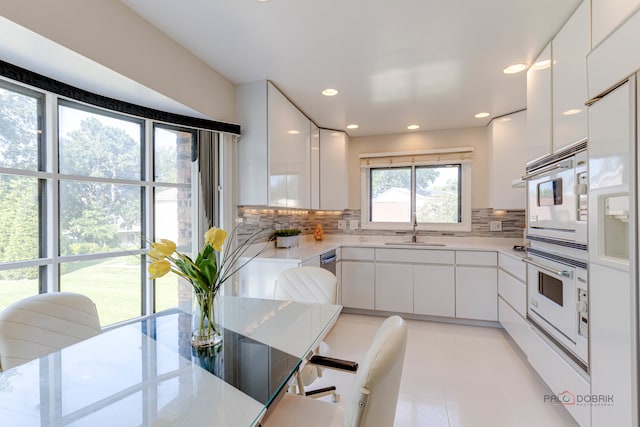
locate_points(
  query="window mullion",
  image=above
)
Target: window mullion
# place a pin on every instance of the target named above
(52, 220)
(148, 216)
(413, 193)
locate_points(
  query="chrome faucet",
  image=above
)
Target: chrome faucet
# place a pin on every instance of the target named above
(414, 235)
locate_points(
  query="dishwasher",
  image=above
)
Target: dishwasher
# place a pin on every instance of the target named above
(328, 261)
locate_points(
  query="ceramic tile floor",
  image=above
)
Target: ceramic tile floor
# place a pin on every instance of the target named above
(453, 376)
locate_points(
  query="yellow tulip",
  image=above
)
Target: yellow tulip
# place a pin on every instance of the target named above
(215, 237)
(159, 268)
(161, 249)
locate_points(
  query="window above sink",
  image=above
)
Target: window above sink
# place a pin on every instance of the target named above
(434, 185)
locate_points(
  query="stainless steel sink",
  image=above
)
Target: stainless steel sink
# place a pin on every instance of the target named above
(415, 244)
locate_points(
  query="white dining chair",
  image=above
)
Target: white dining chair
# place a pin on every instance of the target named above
(41, 324)
(373, 398)
(312, 285)
(307, 284)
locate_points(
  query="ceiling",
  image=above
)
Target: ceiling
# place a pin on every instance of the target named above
(432, 63)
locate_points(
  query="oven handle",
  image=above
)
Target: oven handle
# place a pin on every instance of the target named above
(564, 273)
(567, 164)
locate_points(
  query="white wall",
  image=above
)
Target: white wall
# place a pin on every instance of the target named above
(111, 34)
(468, 137)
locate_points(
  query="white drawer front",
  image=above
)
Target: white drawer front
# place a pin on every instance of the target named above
(421, 256)
(513, 291)
(515, 326)
(516, 267)
(476, 258)
(560, 377)
(358, 254)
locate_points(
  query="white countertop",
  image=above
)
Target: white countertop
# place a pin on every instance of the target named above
(310, 248)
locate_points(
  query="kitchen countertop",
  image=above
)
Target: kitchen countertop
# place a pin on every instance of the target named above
(310, 248)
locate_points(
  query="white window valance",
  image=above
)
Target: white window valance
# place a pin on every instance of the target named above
(408, 158)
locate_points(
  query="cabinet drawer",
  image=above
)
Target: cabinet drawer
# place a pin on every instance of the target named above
(427, 256)
(358, 254)
(513, 292)
(476, 258)
(513, 266)
(515, 326)
(559, 376)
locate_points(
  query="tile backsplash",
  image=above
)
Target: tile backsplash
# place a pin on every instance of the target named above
(256, 218)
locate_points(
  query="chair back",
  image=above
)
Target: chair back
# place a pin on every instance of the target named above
(373, 399)
(307, 284)
(41, 324)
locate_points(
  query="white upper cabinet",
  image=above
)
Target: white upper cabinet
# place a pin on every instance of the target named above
(607, 15)
(253, 151)
(539, 106)
(289, 153)
(333, 170)
(570, 48)
(507, 138)
(315, 167)
(274, 152)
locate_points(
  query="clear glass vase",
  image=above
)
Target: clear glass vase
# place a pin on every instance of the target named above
(206, 332)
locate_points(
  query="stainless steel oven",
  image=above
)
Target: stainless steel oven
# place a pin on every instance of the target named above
(557, 196)
(559, 301)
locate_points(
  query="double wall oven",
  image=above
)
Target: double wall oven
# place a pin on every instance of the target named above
(557, 273)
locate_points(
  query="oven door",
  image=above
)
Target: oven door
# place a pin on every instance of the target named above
(552, 298)
(552, 201)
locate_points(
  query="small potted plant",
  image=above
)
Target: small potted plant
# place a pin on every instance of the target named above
(287, 238)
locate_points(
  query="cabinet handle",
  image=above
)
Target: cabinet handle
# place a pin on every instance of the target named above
(563, 273)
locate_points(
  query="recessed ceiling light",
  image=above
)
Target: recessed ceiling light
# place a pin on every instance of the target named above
(541, 65)
(262, 1)
(413, 127)
(571, 112)
(515, 68)
(352, 126)
(503, 120)
(330, 92)
(293, 132)
(481, 115)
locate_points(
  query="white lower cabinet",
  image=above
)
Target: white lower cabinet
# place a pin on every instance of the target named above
(434, 290)
(358, 279)
(563, 379)
(394, 287)
(476, 293)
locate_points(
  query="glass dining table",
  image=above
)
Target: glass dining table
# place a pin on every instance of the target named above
(146, 373)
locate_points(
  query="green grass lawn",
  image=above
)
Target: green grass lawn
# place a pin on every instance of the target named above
(113, 284)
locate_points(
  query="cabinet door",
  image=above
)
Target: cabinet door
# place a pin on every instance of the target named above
(570, 48)
(299, 161)
(539, 106)
(358, 284)
(606, 15)
(434, 290)
(279, 123)
(253, 155)
(477, 293)
(394, 287)
(315, 167)
(507, 143)
(333, 170)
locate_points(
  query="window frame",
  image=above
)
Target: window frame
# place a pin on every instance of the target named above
(464, 198)
(49, 178)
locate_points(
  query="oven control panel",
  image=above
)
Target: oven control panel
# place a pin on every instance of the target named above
(583, 313)
(582, 192)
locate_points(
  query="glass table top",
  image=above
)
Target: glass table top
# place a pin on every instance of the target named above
(147, 374)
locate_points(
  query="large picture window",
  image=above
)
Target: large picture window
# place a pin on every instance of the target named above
(435, 193)
(80, 204)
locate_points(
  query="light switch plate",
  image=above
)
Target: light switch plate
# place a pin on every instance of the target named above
(495, 225)
(342, 224)
(353, 224)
